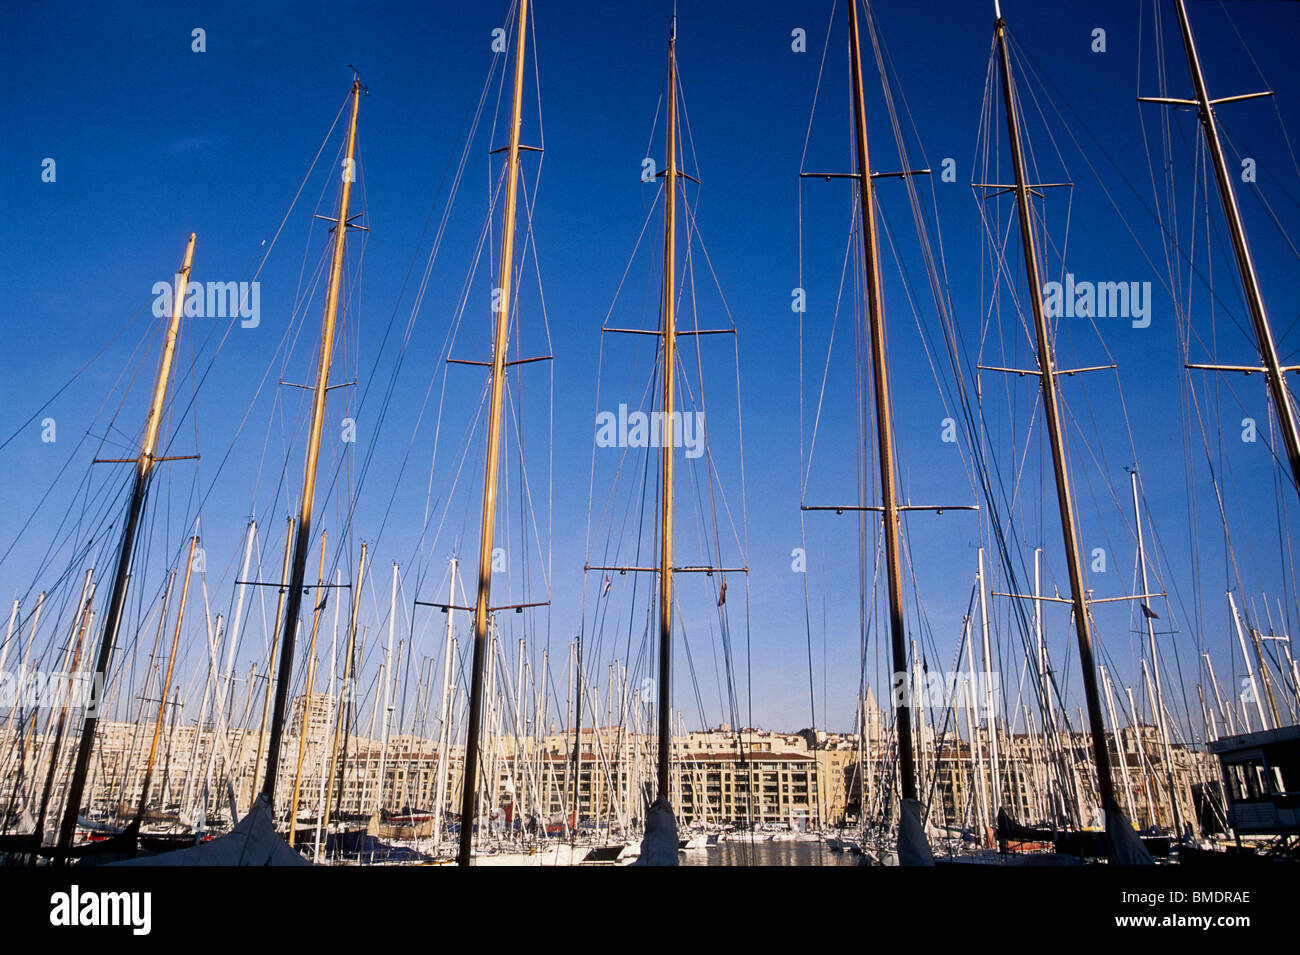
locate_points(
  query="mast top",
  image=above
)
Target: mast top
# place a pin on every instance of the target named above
(997, 10)
(356, 80)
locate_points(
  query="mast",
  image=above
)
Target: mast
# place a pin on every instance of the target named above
(448, 655)
(487, 529)
(144, 466)
(990, 710)
(666, 451)
(388, 684)
(1157, 704)
(1274, 372)
(1250, 670)
(275, 643)
(302, 539)
(1051, 410)
(1225, 714)
(4, 648)
(307, 695)
(81, 623)
(884, 418)
(166, 683)
(347, 697)
(577, 751)
(1119, 740)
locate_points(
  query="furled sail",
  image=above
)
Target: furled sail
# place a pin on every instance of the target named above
(253, 842)
(913, 848)
(659, 846)
(1123, 846)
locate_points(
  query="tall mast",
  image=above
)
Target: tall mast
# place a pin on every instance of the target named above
(347, 698)
(469, 783)
(73, 654)
(884, 417)
(444, 736)
(144, 466)
(990, 710)
(275, 644)
(1051, 410)
(1250, 670)
(577, 749)
(666, 451)
(1119, 740)
(1274, 373)
(1158, 704)
(308, 692)
(388, 687)
(302, 539)
(166, 682)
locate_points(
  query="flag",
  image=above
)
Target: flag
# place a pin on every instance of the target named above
(722, 592)
(605, 591)
(1149, 613)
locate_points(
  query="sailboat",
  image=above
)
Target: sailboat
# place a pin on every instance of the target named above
(144, 469)
(912, 846)
(1255, 765)
(1123, 846)
(254, 841)
(660, 844)
(1255, 739)
(667, 446)
(470, 808)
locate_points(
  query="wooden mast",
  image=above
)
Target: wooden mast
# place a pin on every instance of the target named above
(444, 733)
(666, 451)
(74, 654)
(275, 644)
(307, 695)
(347, 695)
(1052, 411)
(1274, 373)
(144, 466)
(884, 419)
(302, 540)
(166, 683)
(469, 783)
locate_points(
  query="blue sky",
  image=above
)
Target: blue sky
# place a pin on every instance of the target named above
(153, 141)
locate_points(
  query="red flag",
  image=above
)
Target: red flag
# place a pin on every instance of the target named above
(722, 592)
(605, 591)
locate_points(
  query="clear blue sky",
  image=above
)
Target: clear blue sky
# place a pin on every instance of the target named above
(153, 141)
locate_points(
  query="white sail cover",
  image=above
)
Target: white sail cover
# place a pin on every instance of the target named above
(913, 847)
(1123, 847)
(659, 846)
(253, 842)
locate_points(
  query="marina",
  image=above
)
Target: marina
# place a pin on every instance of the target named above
(838, 457)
